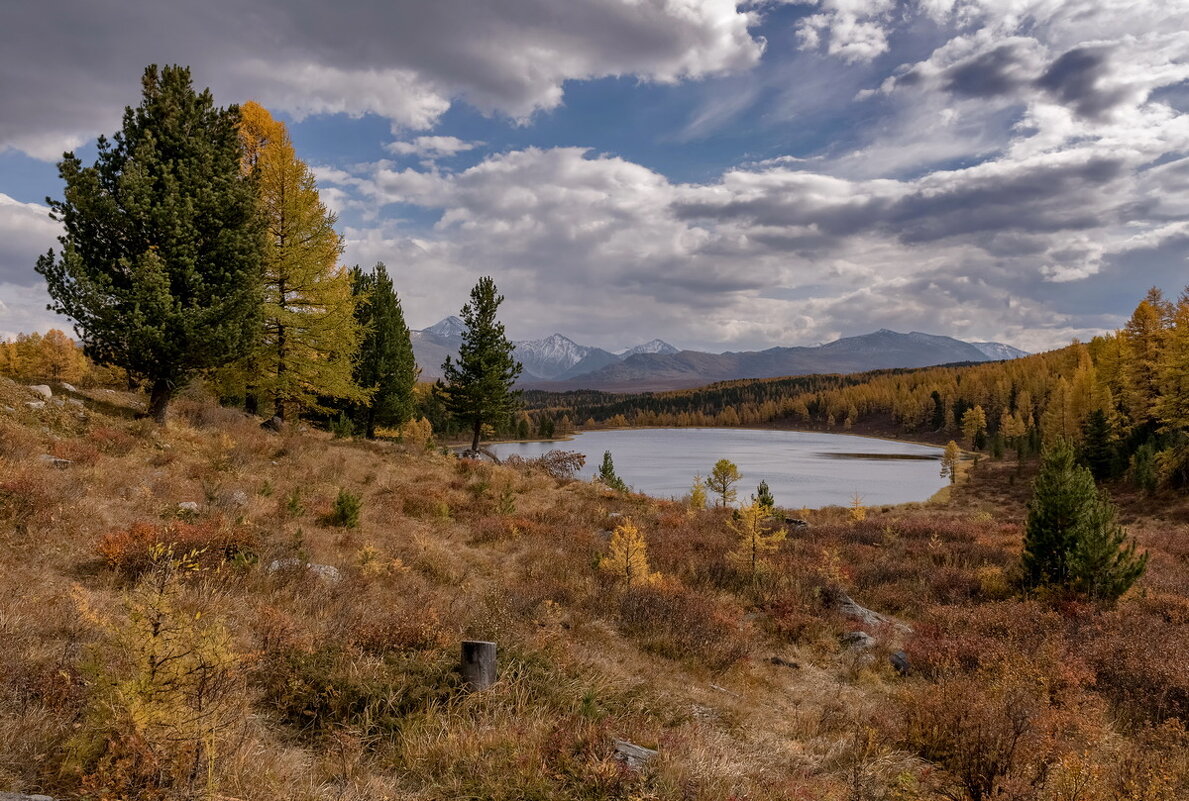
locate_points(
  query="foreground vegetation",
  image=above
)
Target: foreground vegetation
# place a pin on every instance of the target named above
(166, 639)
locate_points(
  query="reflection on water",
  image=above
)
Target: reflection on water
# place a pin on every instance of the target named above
(801, 468)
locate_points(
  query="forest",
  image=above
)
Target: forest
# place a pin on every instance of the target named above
(1120, 398)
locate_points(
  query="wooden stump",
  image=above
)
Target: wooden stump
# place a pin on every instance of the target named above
(478, 664)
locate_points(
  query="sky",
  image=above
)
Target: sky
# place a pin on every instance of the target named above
(722, 175)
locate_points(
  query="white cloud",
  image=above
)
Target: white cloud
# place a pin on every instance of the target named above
(406, 60)
(432, 147)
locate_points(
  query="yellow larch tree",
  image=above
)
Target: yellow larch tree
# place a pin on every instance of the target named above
(627, 555)
(310, 331)
(754, 540)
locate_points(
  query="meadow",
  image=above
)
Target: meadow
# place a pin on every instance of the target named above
(213, 610)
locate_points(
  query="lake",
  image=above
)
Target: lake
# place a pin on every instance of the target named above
(801, 468)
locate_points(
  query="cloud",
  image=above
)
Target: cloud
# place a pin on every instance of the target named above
(432, 146)
(406, 60)
(26, 232)
(775, 252)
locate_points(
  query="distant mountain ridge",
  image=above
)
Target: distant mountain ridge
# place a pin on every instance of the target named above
(558, 362)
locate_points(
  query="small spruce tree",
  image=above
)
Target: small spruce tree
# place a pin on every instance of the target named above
(608, 476)
(384, 363)
(1072, 543)
(764, 498)
(477, 389)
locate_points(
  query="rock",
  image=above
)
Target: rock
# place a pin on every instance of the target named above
(74, 401)
(188, 506)
(328, 573)
(42, 390)
(23, 797)
(846, 605)
(857, 640)
(634, 756)
(35, 404)
(235, 499)
(68, 387)
(899, 661)
(796, 522)
(273, 424)
(54, 461)
(781, 662)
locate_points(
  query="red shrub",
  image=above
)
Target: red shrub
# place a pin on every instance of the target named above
(131, 550)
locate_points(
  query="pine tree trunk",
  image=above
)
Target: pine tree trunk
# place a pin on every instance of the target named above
(159, 399)
(475, 440)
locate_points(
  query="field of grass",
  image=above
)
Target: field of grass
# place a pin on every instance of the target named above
(159, 651)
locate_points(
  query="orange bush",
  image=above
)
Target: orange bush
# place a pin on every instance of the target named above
(130, 550)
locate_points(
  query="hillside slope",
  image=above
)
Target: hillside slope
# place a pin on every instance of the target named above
(339, 680)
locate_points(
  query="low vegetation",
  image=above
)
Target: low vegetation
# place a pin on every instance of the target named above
(211, 609)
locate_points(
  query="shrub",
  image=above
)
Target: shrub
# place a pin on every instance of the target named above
(136, 549)
(558, 464)
(672, 621)
(345, 511)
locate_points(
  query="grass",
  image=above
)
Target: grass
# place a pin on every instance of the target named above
(349, 689)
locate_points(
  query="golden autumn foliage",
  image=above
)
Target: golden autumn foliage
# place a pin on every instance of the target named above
(753, 538)
(309, 333)
(627, 555)
(52, 356)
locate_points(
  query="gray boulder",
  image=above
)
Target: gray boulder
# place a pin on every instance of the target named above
(23, 797)
(42, 390)
(35, 405)
(327, 573)
(634, 756)
(857, 640)
(190, 507)
(68, 387)
(900, 662)
(54, 461)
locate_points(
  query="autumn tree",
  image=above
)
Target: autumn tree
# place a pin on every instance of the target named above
(1142, 345)
(974, 427)
(384, 364)
(697, 494)
(949, 461)
(161, 250)
(1072, 543)
(753, 539)
(627, 555)
(310, 332)
(722, 481)
(478, 387)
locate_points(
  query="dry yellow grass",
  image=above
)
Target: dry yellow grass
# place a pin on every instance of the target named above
(348, 687)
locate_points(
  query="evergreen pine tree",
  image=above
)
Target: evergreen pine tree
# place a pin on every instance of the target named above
(608, 476)
(764, 498)
(478, 388)
(1072, 542)
(161, 255)
(384, 363)
(1097, 451)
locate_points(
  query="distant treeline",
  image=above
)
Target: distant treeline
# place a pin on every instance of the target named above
(1121, 399)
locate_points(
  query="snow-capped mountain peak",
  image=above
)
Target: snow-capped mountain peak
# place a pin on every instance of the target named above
(550, 356)
(450, 328)
(997, 350)
(655, 346)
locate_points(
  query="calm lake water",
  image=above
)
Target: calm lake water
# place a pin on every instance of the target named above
(801, 468)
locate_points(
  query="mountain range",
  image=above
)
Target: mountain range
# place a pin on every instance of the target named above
(559, 363)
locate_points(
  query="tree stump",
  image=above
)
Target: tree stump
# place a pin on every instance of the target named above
(478, 664)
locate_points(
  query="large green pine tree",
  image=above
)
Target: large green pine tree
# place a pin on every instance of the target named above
(1072, 543)
(384, 362)
(477, 389)
(161, 255)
